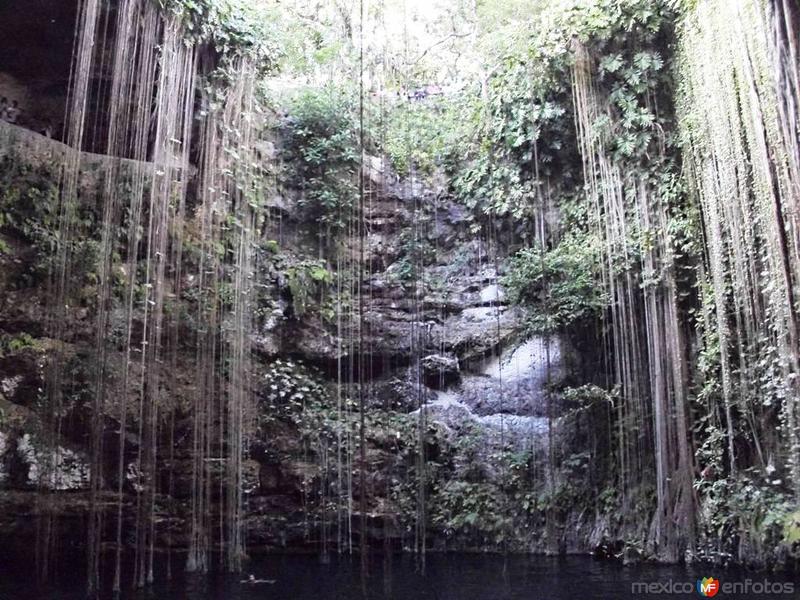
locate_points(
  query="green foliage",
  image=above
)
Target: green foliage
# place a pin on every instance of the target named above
(749, 511)
(631, 80)
(618, 20)
(423, 136)
(523, 144)
(303, 280)
(11, 344)
(234, 28)
(557, 286)
(321, 140)
(28, 208)
(586, 396)
(522, 134)
(288, 386)
(474, 511)
(791, 528)
(29, 204)
(416, 252)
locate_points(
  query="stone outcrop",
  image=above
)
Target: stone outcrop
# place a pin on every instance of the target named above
(440, 371)
(442, 322)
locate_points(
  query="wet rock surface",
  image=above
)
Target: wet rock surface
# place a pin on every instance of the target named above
(424, 341)
(440, 371)
(503, 399)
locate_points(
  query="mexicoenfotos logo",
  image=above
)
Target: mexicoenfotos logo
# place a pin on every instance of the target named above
(708, 587)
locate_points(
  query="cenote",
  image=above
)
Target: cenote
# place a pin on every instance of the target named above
(399, 298)
(447, 577)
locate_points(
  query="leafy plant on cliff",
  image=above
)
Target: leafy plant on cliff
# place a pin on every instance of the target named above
(303, 280)
(233, 28)
(29, 212)
(321, 141)
(424, 136)
(472, 511)
(558, 286)
(287, 387)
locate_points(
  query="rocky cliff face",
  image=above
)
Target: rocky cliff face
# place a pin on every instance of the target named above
(444, 340)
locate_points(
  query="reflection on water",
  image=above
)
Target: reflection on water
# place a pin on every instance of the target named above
(447, 577)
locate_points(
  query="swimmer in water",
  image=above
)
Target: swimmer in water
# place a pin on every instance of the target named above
(252, 580)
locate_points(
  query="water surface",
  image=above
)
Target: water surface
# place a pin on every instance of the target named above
(447, 577)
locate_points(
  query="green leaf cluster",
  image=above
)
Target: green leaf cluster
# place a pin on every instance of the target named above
(321, 138)
(303, 280)
(232, 28)
(559, 286)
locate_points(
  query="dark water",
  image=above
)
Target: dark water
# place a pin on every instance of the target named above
(448, 577)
